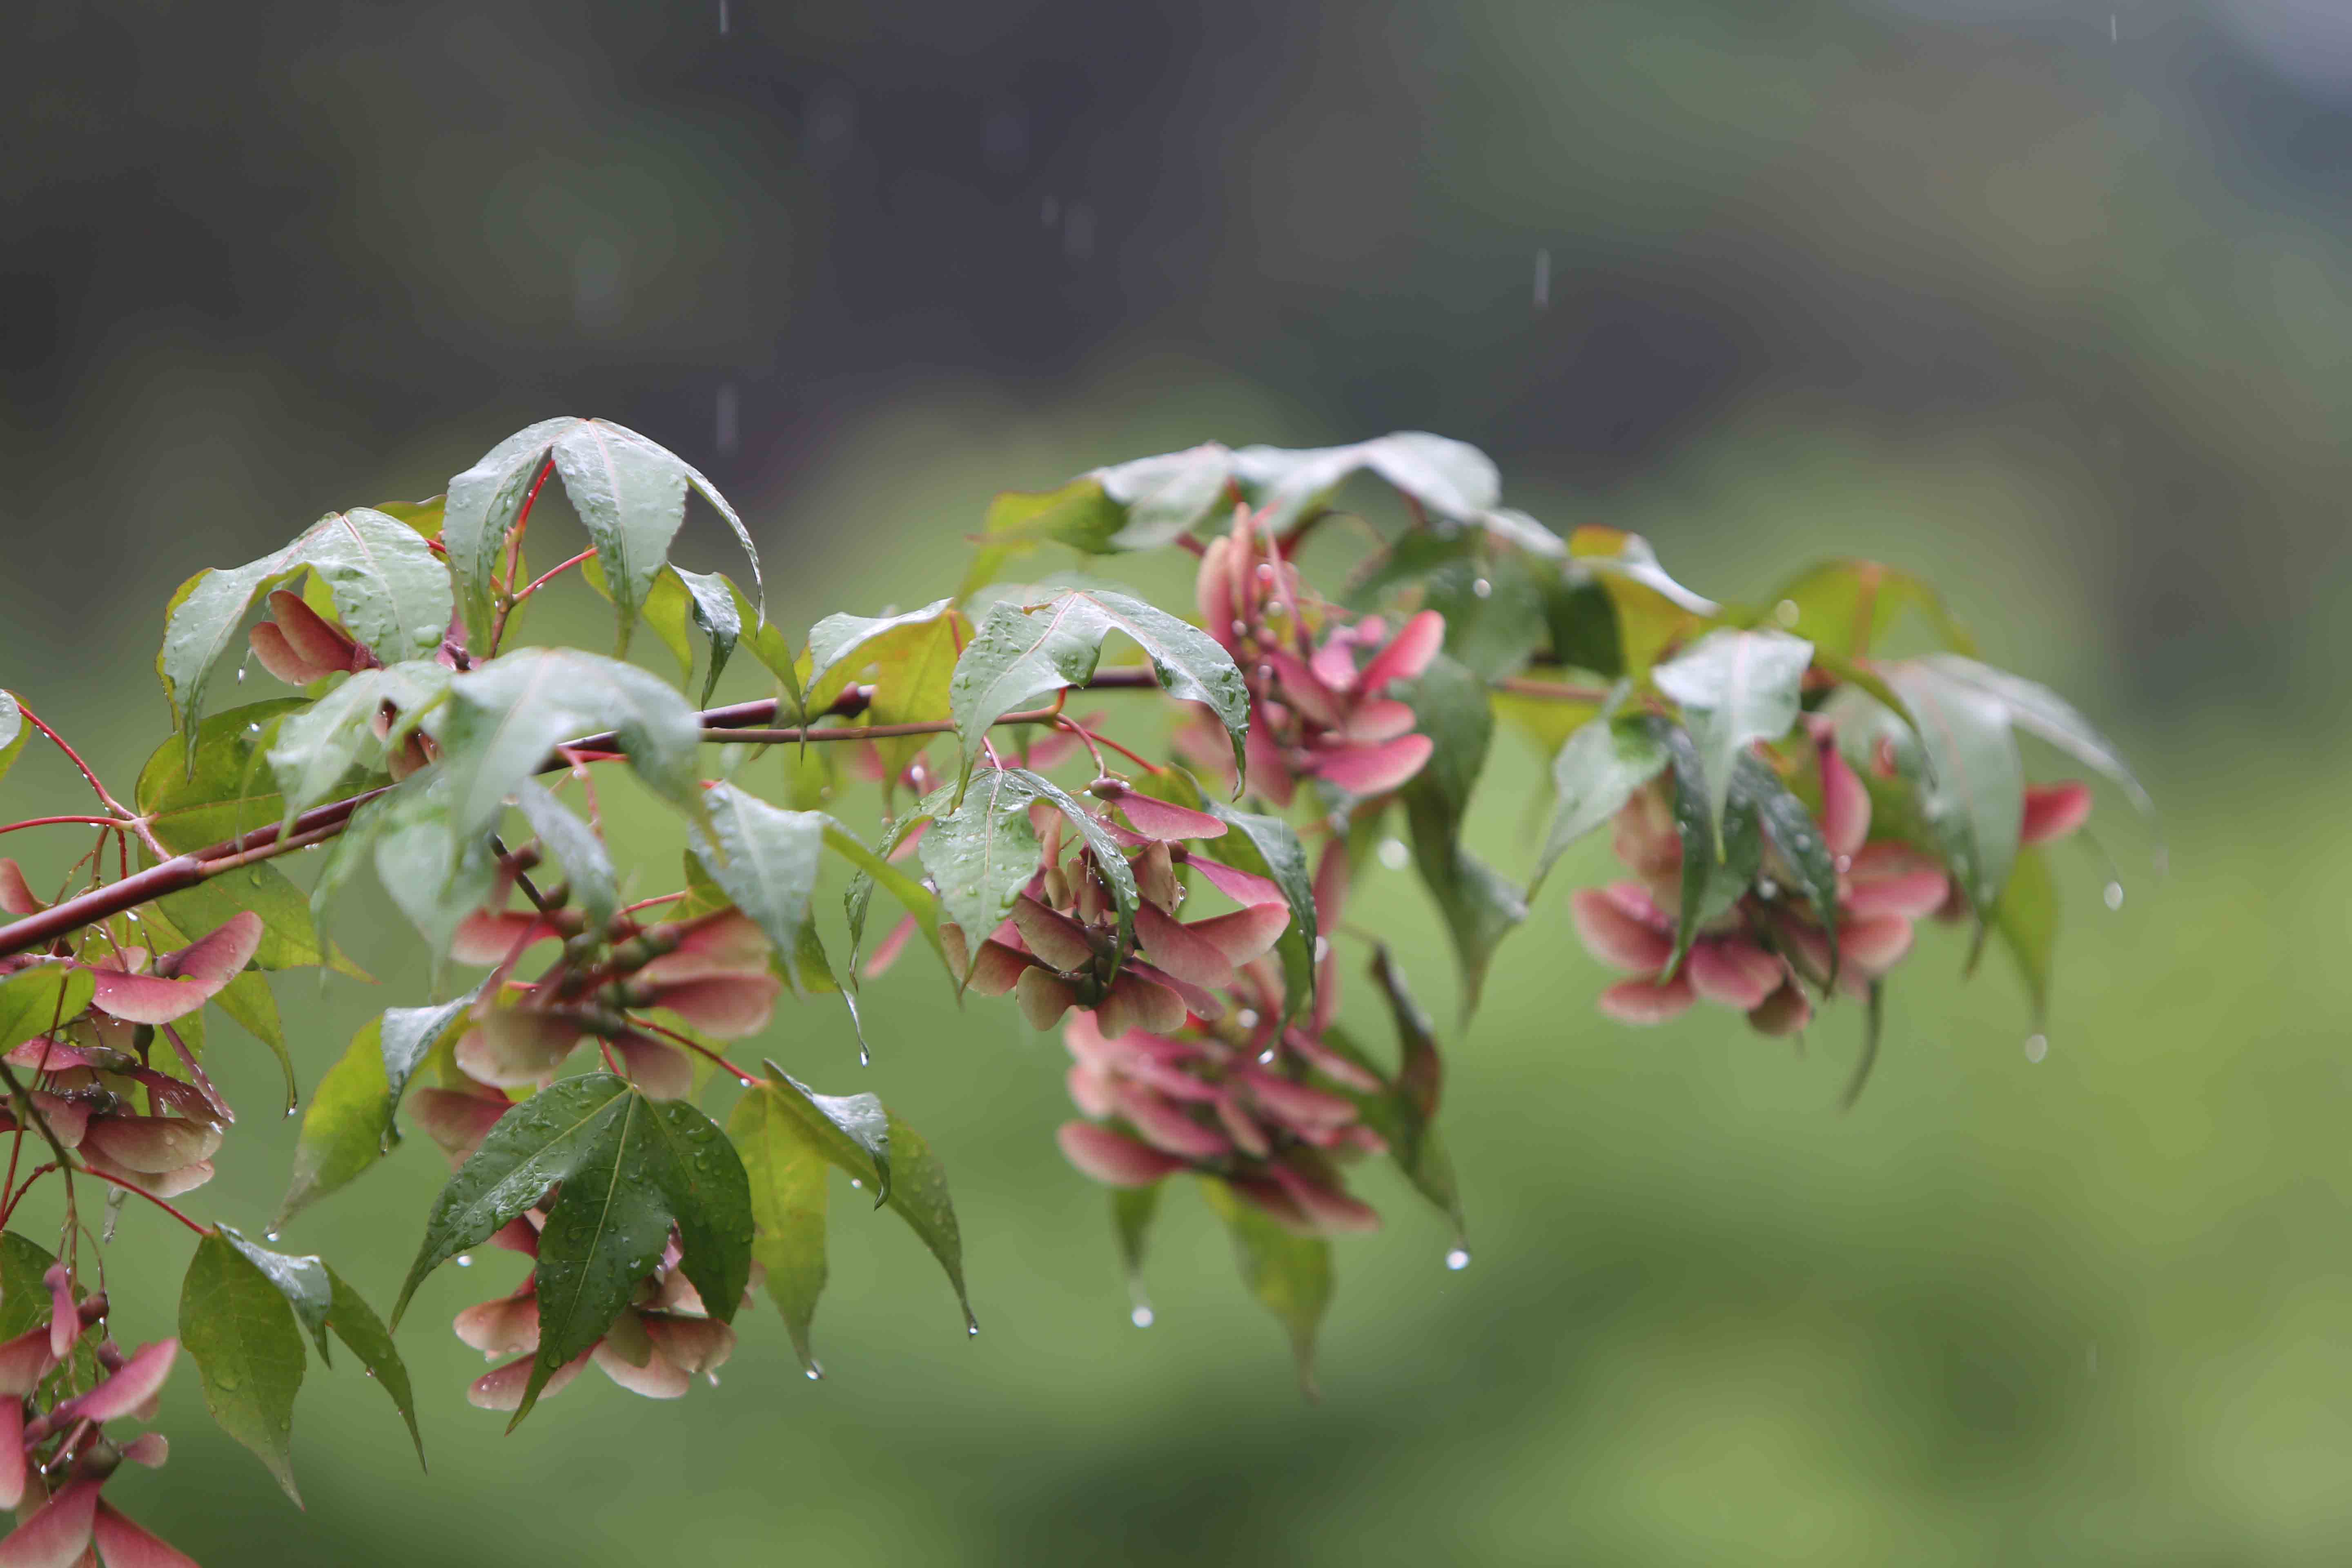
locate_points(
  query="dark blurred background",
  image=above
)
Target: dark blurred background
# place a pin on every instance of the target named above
(2047, 298)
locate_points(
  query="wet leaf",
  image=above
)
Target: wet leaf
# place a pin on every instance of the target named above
(1132, 1210)
(1735, 688)
(1449, 478)
(1021, 654)
(1651, 610)
(204, 617)
(356, 1324)
(1974, 794)
(975, 849)
(236, 1324)
(390, 591)
(718, 607)
(1406, 1117)
(767, 861)
(37, 1000)
(481, 508)
(856, 1133)
(25, 1302)
(577, 849)
(787, 1169)
(350, 1124)
(217, 785)
(2026, 921)
(504, 716)
(1598, 770)
(1289, 1276)
(14, 732)
(1480, 907)
(321, 753)
(1852, 606)
(1803, 857)
(2041, 712)
(301, 1280)
(1716, 867)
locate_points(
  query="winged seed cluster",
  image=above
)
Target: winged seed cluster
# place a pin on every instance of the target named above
(1167, 882)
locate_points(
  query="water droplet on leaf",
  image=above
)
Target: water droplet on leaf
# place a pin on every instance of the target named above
(1458, 1259)
(1393, 853)
(2036, 1046)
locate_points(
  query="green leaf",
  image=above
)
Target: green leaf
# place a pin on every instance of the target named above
(482, 505)
(2026, 921)
(842, 645)
(504, 716)
(1974, 795)
(424, 517)
(356, 1324)
(1406, 1117)
(1716, 867)
(577, 849)
(1290, 1276)
(1021, 654)
(718, 607)
(392, 594)
(872, 868)
(215, 785)
(1079, 514)
(1132, 1210)
(766, 859)
(1852, 606)
(631, 495)
(436, 875)
(25, 1302)
(202, 619)
(1449, 478)
(1802, 857)
(529, 1149)
(858, 1134)
(301, 1280)
(1492, 602)
(666, 609)
(1598, 770)
(1651, 610)
(1874, 1024)
(316, 750)
(236, 1325)
(2041, 712)
(977, 846)
(1735, 688)
(1480, 906)
(787, 1170)
(14, 732)
(37, 1000)
(350, 1124)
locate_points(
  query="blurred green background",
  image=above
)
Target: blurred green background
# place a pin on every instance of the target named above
(2045, 299)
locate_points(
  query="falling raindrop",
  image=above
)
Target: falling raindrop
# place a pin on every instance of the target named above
(1483, 589)
(729, 430)
(722, 18)
(2111, 27)
(1050, 214)
(465, 1260)
(1140, 1317)
(1078, 232)
(1393, 853)
(2036, 1046)
(2091, 1359)
(1543, 279)
(2114, 895)
(1458, 1259)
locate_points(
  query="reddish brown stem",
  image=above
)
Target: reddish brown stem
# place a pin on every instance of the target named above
(541, 581)
(52, 821)
(159, 1202)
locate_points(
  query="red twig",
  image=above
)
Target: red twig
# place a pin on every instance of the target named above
(541, 581)
(159, 1202)
(52, 821)
(740, 1076)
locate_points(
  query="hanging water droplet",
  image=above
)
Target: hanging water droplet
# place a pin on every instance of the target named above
(865, 1056)
(2036, 1046)
(814, 1373)
(971, 1329)
(2114, 895)
(1786, 612)
(1458, 1259)
(1483, 588)
(465, 1260)
(1266, 1057)
(858, 1184)
(1246, 1017)
(712, 1378)
(1140, 1317)
(240, 675)
(271, 1234)
(1265, 571)
(252, 728)
(1845, 863)
(1393, 853)
(1765, 888)
(134, 916)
